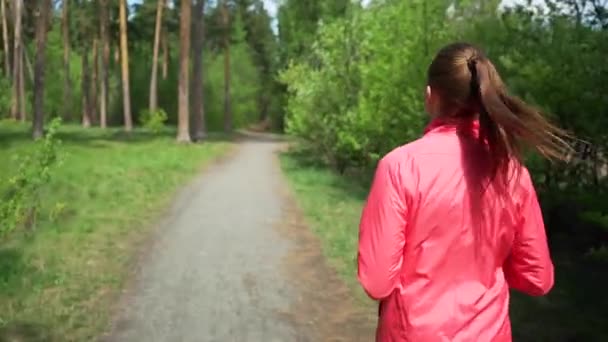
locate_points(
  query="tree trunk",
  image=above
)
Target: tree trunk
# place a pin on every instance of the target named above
(124, 63)
(94, 79)
(105, 63)
(183, 132)
(22, 113)
(17, 96)
(85, 89)
(7, 52)
(26, 65)
(227, 101)
(165, 43)
(68, 107)
(154, 76)
(42, 15)
(198, 104)
(67, 81)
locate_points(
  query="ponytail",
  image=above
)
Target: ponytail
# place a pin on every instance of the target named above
(507, 124)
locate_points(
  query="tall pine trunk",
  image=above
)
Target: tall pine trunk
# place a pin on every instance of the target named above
(105, 63)
(7, 50)
(42, 17)
(183, 133)
(124, 64)
(198, 104)
(228, 122)
(85, 89)
(17, 96)
(67, 81)
(154, 77)
(94, 80)
(165, 44)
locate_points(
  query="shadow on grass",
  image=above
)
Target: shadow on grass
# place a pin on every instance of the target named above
(11, 266)
(25, 332)
(575, 310)
(353, 183)
(14, 134)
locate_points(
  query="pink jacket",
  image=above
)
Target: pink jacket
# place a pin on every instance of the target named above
(441, 266)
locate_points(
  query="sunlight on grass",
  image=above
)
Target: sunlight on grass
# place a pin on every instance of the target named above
(59, 281)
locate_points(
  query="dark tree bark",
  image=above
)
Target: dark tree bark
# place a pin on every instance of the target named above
(183, 132)
(198, 104)
(42, 17)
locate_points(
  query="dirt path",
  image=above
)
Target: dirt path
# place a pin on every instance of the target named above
(233, 262)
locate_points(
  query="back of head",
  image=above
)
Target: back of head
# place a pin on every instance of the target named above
(469, 87)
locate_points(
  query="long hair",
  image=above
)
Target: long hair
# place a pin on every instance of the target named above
(469, 86)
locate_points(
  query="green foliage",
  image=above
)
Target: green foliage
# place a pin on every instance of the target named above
(98, 204)
(153, 120)
(355, 89)
(362, 95)
(21, 193)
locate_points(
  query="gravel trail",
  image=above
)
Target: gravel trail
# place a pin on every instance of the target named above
(232, 262)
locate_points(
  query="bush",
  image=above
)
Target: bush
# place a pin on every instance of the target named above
(21, 192)
(153, 120)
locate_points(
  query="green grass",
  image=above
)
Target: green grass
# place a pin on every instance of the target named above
(575, 310)
(59, 282)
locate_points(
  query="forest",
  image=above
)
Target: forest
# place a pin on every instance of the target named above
(108, 106)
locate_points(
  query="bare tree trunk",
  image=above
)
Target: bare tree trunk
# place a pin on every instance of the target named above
(124, 62)
(198, 108)
(105, 63)
(22, 94)
(165, 46)
(85, 89)
(17, 96)
(154, 76)
(67, 81)
(94, 79)
(7, 51)
(165, 43)
(26, 65)
(183, 132)
(42, 15)
(227, 101)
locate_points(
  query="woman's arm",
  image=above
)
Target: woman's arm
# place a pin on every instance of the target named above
(382, 232)
(529, 268)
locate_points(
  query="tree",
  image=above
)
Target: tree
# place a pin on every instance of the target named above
(18, 101)
(154, 76)
(42, 17)
(105, 62)
(183, 134)
(94, 80)
(86, 89)
(198, 104)
(7, 55)
(124, 64)
(227, 103)
(67, 82)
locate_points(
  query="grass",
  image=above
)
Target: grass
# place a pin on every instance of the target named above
(59, 282)
(575, 310)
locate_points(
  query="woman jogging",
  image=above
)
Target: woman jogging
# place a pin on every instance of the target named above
(452, 220)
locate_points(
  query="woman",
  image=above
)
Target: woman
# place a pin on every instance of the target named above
(452, 219)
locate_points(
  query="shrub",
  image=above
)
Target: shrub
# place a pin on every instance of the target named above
(153, 120)
(21, 193)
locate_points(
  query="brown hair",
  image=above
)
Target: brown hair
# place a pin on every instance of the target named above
(469, 86)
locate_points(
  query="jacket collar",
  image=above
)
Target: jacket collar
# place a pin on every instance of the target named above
(439, 125)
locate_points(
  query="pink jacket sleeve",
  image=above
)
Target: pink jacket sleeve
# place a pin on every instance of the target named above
(382, 232)
(529, 268)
